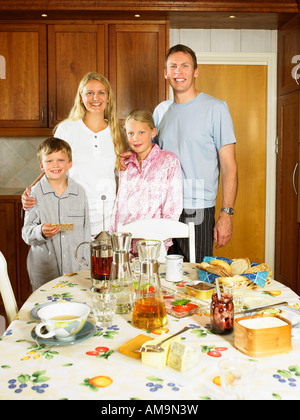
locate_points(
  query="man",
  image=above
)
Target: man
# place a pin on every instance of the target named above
(199, 130)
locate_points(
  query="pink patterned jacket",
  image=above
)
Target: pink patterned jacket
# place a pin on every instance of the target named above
(155, 191)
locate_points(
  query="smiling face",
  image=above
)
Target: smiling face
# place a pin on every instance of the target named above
(56, 165)
(94, 96)
(181, 74)
(139, 135)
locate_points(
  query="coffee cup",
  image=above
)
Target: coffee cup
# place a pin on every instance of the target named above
(174, 268)
(62, 320)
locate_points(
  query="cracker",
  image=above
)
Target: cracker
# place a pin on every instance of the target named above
(64, 227)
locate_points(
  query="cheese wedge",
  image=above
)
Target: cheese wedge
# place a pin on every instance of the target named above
(182, 357)
(136, 343)
(159, 360)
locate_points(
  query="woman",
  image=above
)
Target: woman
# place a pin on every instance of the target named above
(93, 132)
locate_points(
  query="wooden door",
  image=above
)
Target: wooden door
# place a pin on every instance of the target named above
(73, 50)
(244, 88)
(136, 60)
(23, 91)
(287, 227)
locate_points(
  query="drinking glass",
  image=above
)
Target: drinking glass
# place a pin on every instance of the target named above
(238, 294)
(104, 308)
(236, 375)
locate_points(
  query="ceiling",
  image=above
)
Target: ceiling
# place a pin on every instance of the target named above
(236, 14)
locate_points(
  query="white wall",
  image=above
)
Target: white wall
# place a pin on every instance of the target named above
(226, 40)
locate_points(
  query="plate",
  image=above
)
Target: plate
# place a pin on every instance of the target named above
(87, 331)
(292, 314)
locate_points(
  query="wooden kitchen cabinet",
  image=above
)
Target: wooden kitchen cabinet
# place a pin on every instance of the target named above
(53, 58)
(73, 50)
(287, 244)
(23, 92)
(136, 63)
(289, 57)
(287, 209)
(14, 248)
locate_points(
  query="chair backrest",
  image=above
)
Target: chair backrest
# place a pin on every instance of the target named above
(6, 291)
(162, 229)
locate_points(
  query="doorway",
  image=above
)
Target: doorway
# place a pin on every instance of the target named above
(250, 91)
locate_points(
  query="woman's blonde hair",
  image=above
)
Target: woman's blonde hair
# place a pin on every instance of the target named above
(141, 115)
(78, 112)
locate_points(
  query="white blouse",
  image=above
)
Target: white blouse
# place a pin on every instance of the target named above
(94, 161)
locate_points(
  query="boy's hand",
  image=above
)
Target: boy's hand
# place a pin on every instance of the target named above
(123, 157)
(48, 230)
(27, 201)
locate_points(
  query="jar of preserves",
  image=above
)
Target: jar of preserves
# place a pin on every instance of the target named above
(221, 314)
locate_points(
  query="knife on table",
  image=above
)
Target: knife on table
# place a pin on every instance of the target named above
(259, 308)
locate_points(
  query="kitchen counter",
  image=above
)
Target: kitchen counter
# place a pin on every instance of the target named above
(11, 193)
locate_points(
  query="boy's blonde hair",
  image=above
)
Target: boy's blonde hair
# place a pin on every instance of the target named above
(110, 114)
(52, 145)
(141, 115)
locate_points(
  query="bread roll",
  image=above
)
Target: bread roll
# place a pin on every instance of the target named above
(258, 268)
(223, 265)
(240, 265)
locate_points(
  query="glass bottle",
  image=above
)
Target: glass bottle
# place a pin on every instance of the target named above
(120, 280)
(149, 310)
(221, 314)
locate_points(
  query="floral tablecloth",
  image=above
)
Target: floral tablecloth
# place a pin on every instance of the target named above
(94, 369)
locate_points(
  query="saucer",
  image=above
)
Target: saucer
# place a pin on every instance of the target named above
(35, 309)
(87, 331)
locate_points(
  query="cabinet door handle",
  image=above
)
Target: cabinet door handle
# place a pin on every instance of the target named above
(51, 115)
(43, 115)
(294, 173)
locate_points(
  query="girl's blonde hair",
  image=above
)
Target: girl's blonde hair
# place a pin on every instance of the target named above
(78, 112)
(141, 115)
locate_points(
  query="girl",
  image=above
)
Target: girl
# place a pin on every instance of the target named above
(151, 186)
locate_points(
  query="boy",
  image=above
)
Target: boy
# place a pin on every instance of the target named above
(59, 200)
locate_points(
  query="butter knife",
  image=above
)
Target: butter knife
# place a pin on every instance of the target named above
(259, 308)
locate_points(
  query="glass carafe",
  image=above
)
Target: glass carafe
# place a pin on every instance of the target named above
(120, 280)
(149, 310)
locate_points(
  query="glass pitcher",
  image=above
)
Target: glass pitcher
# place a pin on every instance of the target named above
(121, 282)
(149, 310)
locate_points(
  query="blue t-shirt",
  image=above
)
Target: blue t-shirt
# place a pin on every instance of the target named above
(195, 131)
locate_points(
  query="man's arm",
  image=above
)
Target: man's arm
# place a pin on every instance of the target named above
(229, 172)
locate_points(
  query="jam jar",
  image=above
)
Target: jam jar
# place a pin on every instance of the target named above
(221, 314)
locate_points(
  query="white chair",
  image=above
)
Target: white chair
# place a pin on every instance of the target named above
(6, 291)
(162, 229)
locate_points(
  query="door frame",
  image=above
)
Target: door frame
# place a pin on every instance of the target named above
(270, 61)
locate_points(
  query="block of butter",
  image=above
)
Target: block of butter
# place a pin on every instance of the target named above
(159, 360)
(182, 357)
(136, 343)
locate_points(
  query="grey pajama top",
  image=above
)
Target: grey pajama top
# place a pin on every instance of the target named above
(54, 257)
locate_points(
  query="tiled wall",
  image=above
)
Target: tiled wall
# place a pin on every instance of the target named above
(18, 162)
(19, 165)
